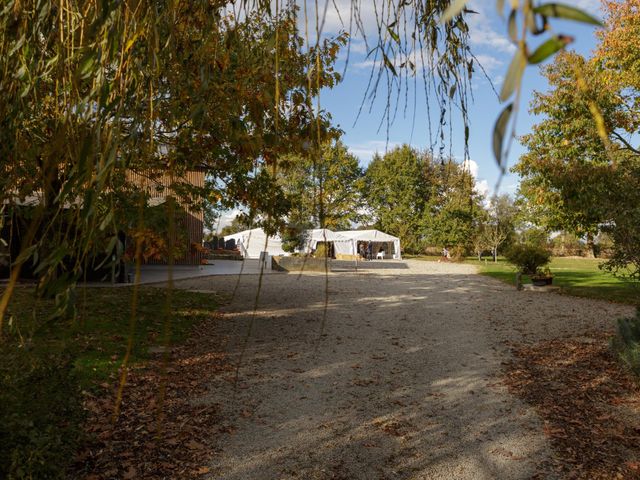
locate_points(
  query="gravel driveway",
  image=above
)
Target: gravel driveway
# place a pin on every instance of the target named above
(403, 383)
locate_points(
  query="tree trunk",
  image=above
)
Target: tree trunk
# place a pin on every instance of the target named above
(590, 253)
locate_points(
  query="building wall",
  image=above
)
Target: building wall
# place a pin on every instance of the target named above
(158, 186)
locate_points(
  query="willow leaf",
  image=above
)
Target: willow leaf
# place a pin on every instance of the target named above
(514, 74)
(513, 27)
(547, 49)
(452, 10)
(559, 10)
(499, 131)
(389, 65)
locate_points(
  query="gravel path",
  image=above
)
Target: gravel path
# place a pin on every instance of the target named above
(404, 383)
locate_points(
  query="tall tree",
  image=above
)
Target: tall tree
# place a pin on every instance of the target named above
(324, 191)
(453, 205)
(567, 169)
(581, 170)
(396, 190)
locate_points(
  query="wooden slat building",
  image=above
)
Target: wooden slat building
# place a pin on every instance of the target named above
(159, 187)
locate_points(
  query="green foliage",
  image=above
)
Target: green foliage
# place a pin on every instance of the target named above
(528, 259)
(421, 200)
(626, 342)
(453, 207)
(324, 190)
(581, 172)
(495, 228)
(566, 171)
(396, 189)
(294, 237)
(110, 89)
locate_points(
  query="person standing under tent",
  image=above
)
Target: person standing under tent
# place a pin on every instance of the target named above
(370, 251)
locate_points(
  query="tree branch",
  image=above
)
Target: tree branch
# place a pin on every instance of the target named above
(626, 143)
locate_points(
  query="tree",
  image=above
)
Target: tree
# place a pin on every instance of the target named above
(213, 98)
(323, 191)
(499, 225)
(581, 170)
(396, 189)
(566, 169)
(239, 223)
(617, 58)
(453, 206)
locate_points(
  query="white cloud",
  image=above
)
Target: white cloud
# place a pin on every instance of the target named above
(481, 29)
(489, 62)
(365, 151)
(471, 166)
(483, 188)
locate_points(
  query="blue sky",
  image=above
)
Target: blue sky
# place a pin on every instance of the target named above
(491, 46)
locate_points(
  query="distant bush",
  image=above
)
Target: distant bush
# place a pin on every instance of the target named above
(626, 343)
(458, 253)
(529, 259)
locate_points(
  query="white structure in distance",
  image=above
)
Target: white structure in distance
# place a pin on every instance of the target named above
(345, 243)
(380, 241)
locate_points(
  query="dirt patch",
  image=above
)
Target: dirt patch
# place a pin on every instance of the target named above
(589, 403)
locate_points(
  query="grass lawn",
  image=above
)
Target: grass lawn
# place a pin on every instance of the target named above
(576, 276)
(46, 363)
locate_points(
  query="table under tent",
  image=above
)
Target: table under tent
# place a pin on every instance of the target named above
(324, 236)
(383, 244)
(252, 242)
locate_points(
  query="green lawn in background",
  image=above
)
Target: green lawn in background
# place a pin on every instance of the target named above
(45, 364)
(581, 277)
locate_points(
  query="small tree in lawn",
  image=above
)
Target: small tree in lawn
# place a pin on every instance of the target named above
(500, 223)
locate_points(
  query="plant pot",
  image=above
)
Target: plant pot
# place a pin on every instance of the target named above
(541, 281)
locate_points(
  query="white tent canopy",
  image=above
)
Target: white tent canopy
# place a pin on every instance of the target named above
(374, 236)
(319, 235)
(252, 242)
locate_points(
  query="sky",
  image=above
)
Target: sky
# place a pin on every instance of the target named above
(490, 45)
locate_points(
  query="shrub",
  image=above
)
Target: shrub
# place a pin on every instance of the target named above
(626, 343)
(529, 259)
(458, 253)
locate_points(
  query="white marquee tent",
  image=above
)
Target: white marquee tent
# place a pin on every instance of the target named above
(252, 242)
(320, 235)
(378, 238)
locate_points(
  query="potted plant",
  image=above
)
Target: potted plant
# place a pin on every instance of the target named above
(529, 260)
(542, 278)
